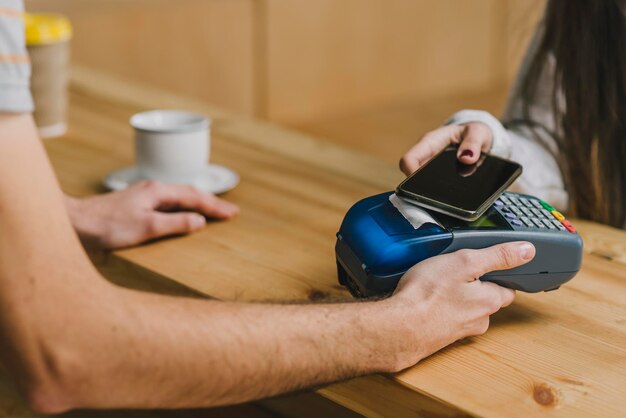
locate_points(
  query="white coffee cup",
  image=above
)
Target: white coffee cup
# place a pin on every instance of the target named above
(171, 146)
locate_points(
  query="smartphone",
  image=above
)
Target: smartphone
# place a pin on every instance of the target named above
(463, 191)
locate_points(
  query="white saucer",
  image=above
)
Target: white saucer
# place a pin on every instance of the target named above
(215, 179)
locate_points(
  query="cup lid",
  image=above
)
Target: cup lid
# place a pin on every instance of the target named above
(46, 28)
(169, 121)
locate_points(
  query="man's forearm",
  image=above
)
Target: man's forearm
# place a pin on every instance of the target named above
(71, 339)
(156, 351)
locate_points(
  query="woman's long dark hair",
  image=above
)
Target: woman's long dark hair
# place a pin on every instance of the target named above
(588, 41)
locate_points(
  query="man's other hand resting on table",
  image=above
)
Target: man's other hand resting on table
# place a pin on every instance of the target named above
(143, 212)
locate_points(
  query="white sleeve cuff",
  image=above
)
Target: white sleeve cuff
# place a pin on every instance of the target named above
(500, 143)
(15, 98)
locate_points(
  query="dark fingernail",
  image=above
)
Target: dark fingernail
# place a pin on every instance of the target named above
(467, 153)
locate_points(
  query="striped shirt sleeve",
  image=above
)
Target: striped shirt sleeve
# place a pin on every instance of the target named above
(14, 63)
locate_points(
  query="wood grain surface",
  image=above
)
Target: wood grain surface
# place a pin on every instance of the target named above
(556, 354)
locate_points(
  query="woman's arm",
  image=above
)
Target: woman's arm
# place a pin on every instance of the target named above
(518, 142)
(478, 131)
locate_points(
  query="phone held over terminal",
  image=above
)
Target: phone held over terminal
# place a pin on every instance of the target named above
(463, 191)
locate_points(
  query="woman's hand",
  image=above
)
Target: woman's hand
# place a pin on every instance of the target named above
(143, 212)
(473, 138)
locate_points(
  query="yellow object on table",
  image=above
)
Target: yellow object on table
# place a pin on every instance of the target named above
(48, 41)
(46, 28)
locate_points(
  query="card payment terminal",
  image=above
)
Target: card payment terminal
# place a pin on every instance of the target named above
(377, 244)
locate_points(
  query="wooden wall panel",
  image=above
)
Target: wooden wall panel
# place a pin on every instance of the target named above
(388, 130)
(301, 62)
(201, 48)
(520, 19)
(328, 57)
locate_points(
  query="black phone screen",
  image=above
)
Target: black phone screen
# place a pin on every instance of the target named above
(445, 180)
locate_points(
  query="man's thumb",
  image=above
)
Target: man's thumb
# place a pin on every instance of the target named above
(502, 257)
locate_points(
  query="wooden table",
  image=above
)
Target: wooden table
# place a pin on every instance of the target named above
(555, 354)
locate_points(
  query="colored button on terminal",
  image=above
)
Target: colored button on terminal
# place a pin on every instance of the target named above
(558, 215)
(548, 207)
(568, 225)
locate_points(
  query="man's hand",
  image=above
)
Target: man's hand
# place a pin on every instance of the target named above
(144, 212)
(447, 299)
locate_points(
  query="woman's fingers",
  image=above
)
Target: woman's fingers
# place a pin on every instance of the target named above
(476, 138)
(473, 138)
(430, 144)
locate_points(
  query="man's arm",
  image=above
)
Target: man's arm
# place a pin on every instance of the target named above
(70, 339)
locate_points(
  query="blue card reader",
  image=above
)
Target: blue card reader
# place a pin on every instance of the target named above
(377, 244)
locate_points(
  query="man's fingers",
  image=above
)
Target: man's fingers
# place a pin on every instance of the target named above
(216, 207)
(508, 296)
(499, 296)
(428, 147)
(164, 224)
(499, 257)
(188, 197)
(476, 138)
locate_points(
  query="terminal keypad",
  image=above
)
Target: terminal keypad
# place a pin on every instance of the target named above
(528, 212)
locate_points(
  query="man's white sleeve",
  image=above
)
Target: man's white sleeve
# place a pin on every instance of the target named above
(14, 62)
